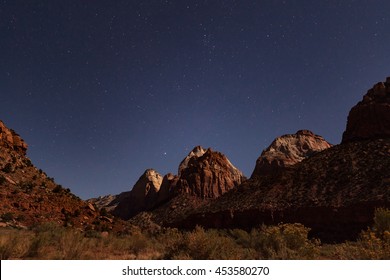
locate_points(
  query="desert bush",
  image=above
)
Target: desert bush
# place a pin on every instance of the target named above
(382, 222)
(7, 217)
(2, 180)
(104, 212)
(7, 168)
(28, 162)
(284, 241)
(57, 189)
(201, 244)
(52, 241)
(13, 243)
(6, 248)
(138, 243)
(372, 244)
(214, 244)
(21, 218)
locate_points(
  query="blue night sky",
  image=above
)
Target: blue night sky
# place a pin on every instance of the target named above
(102, 90)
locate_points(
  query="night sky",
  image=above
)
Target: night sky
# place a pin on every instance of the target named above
(102, 90)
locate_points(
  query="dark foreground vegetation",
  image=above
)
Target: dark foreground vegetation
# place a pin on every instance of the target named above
(284, 241)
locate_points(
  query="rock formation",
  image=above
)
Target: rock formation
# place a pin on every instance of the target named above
(167, 188)
(196, 152)
(109, 202)
(288, 150)
(370, 118)
(334, 192)
(9, 138)
(207, 174)
(142, 197)
(203, 174)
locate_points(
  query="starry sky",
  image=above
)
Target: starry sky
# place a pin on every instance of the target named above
(102, 90)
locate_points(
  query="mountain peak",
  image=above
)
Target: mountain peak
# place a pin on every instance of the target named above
(370, 118)
(196, 152)
(207, 174)
(288, 150)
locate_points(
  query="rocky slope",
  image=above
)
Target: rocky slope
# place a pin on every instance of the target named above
(288, 150)
(29, 197)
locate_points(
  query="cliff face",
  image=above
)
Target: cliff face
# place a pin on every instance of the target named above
(288, 150)
(370, 118)
(142, 197)
(207, 174)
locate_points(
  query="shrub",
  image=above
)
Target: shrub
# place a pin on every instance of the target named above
(21, 218)
(7, 217)
(7, 168)
(2, 180)
(382, 222)
(13, 243)
(284, 241)
(103, 212)
(373, 243)
(52, 241)
(201, 244)
(76, 213)
(57, 189)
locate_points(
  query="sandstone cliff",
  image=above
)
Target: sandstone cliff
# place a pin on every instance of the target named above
(207, 174)
(288, 150)
(142, 197)
(203, 174)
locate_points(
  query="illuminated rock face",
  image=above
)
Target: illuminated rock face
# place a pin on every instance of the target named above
(143, 195)
(288, 150)
(370, 118)
(207, 174)
(11, 139)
